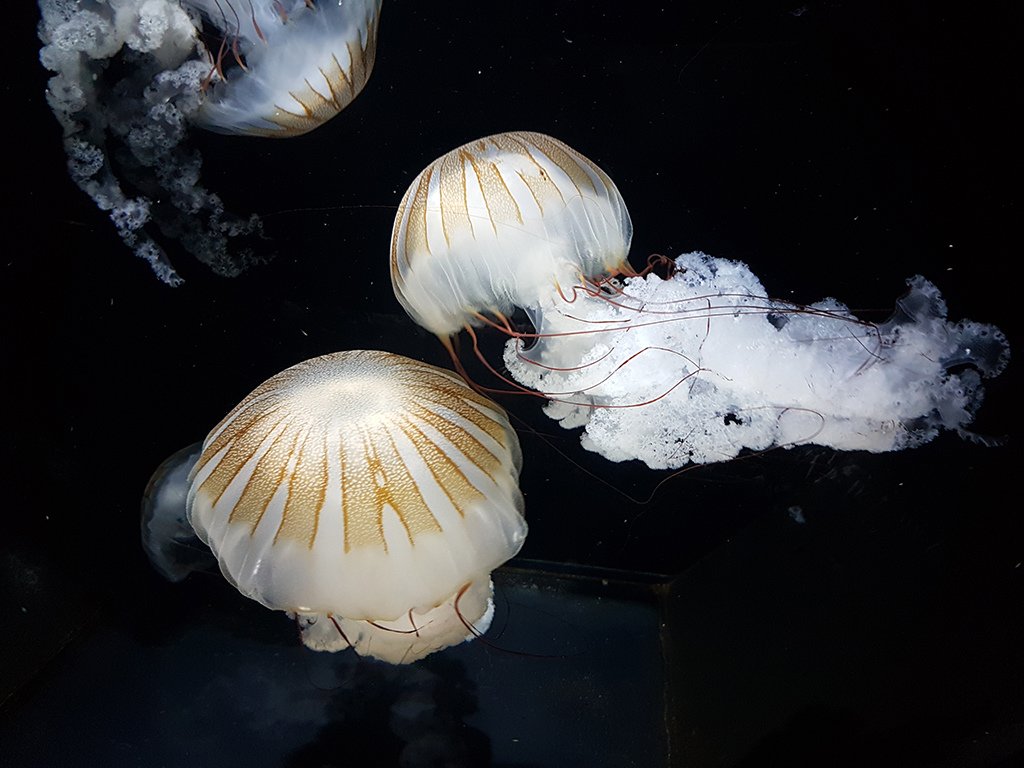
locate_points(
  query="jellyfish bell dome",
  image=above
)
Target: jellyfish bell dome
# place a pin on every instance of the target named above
(501, 222)
(368, 494)
(285, 67)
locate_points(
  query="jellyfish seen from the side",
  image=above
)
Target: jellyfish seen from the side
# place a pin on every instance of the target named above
(131, 77)
(693, 367)
(285, 67)
(512, 220)
(367, 494)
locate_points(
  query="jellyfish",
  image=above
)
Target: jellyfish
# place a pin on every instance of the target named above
(299, 63)
(369, 496)
(131, 76)
(693, 366)
(168, 539)
(500, 222)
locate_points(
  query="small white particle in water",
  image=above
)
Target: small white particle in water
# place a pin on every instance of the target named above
(797, 514)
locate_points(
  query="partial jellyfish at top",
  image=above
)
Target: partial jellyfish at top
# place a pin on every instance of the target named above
(692, 367)
(131, 76)
(368, 495)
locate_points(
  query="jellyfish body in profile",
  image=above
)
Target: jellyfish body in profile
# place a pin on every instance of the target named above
(695, 366)
(367, 494)
(511, 220)
(131, 77)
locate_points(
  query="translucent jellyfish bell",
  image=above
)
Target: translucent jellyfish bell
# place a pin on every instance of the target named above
(168, 539)
(368, 494)
(693, 367)
(299, 62)
(505, 221)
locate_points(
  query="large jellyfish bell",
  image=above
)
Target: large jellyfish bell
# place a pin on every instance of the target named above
(367, 494)
(693, 367)
(131, 76)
